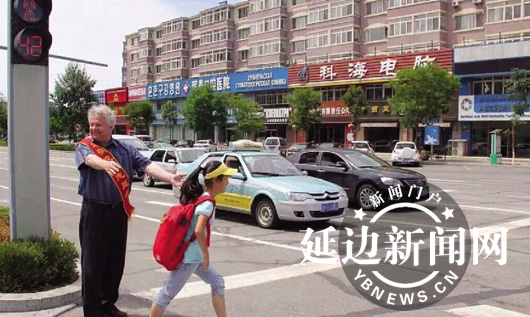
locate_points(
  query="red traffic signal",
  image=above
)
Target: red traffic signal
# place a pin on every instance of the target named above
(30, 35)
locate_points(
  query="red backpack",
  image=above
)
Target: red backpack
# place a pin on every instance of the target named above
(169, 246)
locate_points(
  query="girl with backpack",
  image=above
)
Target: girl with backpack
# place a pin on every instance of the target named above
(196, 258)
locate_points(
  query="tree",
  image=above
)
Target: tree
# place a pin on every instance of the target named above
(3, 116)
(305, 115)
(422, 94)
(170, 115)
(56, 124)
(518, 88)
(355, 102)
(140, 114)
(205, 110)
(246, 114)
(73, 97)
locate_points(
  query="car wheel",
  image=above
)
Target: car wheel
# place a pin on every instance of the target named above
(265, 214)
(148, 181)
(363, 196)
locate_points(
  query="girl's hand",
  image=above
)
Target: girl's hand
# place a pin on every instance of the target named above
(205, 263)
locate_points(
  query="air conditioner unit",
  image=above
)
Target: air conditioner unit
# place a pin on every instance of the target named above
(477, 1)
(455, 3)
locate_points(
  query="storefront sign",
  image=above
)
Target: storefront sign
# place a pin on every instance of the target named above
(276, 115)
(137, 93)
(259, 80)
(366, 69)
(379, 125)
(487, 108)
(114, 96)
(334, 110)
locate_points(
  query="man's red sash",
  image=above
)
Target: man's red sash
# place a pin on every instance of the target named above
(120, 179)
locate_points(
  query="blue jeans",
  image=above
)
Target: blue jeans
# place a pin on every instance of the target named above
(178, 278)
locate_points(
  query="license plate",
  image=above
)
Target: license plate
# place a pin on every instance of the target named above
(330, 207)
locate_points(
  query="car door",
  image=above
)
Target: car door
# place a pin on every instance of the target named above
(308, 162)
(234, 197)
(333, 168)
(170, 160)
(158, 157)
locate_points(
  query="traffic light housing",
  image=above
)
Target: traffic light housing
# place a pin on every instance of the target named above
(30, 36)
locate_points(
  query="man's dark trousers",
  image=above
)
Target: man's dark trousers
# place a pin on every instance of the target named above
(103, 237)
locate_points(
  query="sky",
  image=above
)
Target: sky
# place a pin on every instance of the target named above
(94, 30)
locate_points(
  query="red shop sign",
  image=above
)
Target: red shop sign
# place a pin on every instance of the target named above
(114, 96)
(357, 70)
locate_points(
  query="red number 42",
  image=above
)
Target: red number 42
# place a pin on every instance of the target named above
(33, 45)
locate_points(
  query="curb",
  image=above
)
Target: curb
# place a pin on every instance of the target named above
(62, 296)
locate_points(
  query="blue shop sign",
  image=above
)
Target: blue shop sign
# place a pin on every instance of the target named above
(432, 135)
(487, 108)
(258, 80)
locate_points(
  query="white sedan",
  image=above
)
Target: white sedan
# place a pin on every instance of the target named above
(406, 153)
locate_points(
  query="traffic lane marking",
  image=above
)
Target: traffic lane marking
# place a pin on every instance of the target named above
(484, 311)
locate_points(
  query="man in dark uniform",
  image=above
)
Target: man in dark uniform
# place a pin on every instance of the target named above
(103, 223)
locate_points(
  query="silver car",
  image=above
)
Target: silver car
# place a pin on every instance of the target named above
(170, 159)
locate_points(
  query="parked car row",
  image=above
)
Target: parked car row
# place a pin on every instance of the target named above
(311, 185)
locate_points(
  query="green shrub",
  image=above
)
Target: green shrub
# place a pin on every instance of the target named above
(62, 147)
(4, 212)
(3, 142)
(36, 265)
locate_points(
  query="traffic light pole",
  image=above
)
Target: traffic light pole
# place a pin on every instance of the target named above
(28, 132)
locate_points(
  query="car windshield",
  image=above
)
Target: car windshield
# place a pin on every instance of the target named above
(139, 145)
(182, 143)
(401, 146)
(272, 142)
(190, 156)
(361, 160)
(270, 165)
(361, 145)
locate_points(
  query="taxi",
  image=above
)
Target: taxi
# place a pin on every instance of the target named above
(271, 189)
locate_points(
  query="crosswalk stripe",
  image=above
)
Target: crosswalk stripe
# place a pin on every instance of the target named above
(484, 311)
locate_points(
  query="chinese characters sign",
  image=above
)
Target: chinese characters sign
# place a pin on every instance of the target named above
(268, 79)
(367, 68)
(137, 93)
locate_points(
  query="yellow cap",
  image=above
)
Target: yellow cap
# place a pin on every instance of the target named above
(221, 170)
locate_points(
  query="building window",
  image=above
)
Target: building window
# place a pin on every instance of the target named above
(266, 25)
(299, 46)
(342, 9)
(195, 24)
(159, 34)
(527, 8)
(195, 62)
(215, 36)
(299, 23)
(377, 34)
(195, 43)
(216, 56)
(242, 13)
(135, 72)
(243, 55)
(376, 7)
(470, 21)
(332, 94)
(174, 63)
(267, 48)
(170, 46)
(158, 68)
(400, 26)
(260, 5)
(400, 3)
(377, 92)
(341, 36)
(429, 22)
(134, 41)
(318, 15)
(243, 33)
(296, 2)
(270, 98)
(504, 11)
(489, 86)
(318, 40)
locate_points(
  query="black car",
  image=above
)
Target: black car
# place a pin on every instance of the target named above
(361, 175)
(185, 143)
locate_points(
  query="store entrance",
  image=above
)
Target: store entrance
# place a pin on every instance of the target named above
(382, 139)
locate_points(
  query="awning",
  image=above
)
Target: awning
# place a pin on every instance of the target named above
(379, 125)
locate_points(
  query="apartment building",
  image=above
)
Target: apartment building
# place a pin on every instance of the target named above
(258, 34)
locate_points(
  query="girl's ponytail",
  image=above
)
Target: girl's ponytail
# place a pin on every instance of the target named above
(191, 189)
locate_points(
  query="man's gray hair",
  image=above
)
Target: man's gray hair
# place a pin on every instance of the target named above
(103, 110)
